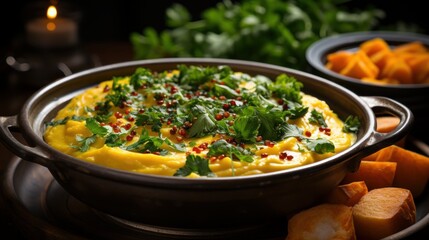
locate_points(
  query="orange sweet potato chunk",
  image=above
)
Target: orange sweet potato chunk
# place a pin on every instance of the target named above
(381, 57)
(397, 68)
(411, 47)
(412, 171)
(373, 46)
(386, 124)
(419, 64)
(347, 194)
(374, 174)
(360, 66)
(383, 212)
(338, 60)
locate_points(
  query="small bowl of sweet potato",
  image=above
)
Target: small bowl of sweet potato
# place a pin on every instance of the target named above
(380, 63)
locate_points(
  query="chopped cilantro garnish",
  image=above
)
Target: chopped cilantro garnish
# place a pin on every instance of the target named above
(317, 118)
(240, 111)
(195, 164)
(351, 124)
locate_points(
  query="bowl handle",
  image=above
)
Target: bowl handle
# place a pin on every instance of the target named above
(15, 146)
(384, 105)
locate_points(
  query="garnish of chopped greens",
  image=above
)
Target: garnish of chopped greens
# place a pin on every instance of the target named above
(167, 112)
(351, 124)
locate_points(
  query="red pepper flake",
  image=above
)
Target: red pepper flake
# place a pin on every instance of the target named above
(127, 126)
(106, 88)
(226, 114)
(269, 143)
(213, 159)
(226, 106)
(259, 138)
(203, 145)
(264, 155)
(219, 116)
(325, 130)
(289, 157)
(222, 98)
(283, 155)
(179, 138)
(197, 149)
(307, 133)
(173, 130)
(233, 103)
(220, 157)
(173, 89)
(134, 93)
(285, 107)
(118, 115)
(130, 137)
(182, 132)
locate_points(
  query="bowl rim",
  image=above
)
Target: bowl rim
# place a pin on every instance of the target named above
(234, 181)
(317, 51)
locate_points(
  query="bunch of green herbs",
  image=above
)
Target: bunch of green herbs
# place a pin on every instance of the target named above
(270, 31)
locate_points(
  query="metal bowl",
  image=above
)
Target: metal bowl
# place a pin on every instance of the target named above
(213, 202)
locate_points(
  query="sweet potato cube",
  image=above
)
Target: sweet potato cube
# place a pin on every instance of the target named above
(419, 64)
(383, 212)
(397, 68)
(374, 174)
(411, 47)
(386, 124)
(380, 58)
(373, 46)
(412, 170)
(323, 221)
(347, 194)
(338, 60)
(360, 66)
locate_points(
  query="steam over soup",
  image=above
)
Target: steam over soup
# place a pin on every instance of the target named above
(198, 121)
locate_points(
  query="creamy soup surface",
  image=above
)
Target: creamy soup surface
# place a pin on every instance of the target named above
(198, 121)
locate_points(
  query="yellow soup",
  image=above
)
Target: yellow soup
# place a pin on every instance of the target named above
(199, 121)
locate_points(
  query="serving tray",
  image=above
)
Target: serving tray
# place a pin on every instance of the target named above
(37, 204)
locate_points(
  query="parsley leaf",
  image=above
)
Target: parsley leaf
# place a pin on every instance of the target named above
(95, 127)
(246, 128)
(287, 87)
(222, 147)
(195, 164)
(319, 145)
(351, 124)
(317, 118)
(84, 142)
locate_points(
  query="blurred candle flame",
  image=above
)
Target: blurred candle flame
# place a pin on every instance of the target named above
(51, 13)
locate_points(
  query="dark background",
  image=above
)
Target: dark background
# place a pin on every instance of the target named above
(101, 21)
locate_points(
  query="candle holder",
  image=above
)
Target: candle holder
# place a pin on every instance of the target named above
(50, 48)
